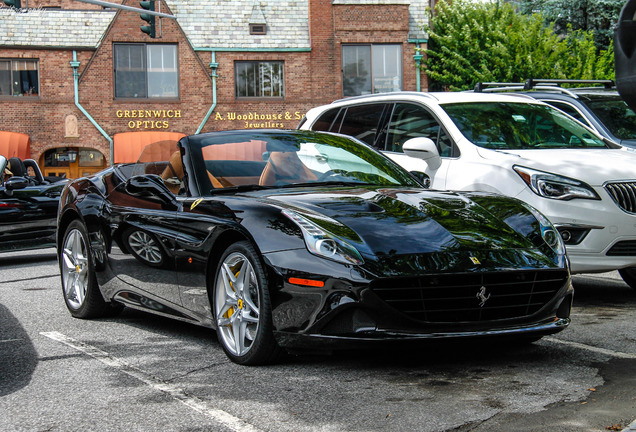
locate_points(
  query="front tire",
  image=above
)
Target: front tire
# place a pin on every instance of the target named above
(79, 284)
(242, 307)
(629, 276)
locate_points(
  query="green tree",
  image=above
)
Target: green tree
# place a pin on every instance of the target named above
(597, 16)
(472, 42)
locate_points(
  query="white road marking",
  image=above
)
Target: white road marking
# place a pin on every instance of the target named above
(610, 353)
(226, 419)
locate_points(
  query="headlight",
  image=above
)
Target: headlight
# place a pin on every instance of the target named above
(555, 186)
(324, 244)
(549, 233)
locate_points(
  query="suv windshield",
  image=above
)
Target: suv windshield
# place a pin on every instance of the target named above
(616, 116)
(519, 126)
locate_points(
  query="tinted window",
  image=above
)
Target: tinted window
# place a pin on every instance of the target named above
(362, 122)
(567, 108)
(519, 126)
(413, 121)
(616, 116)
(325, 121)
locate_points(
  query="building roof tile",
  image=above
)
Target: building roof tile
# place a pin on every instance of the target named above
(53, 28)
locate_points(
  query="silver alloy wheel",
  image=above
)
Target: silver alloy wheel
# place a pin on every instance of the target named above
(145, 246)
(237, 303)
(75, 269)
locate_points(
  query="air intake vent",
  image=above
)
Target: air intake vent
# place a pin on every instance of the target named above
(471, 297)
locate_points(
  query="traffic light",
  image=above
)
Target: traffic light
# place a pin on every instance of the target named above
(13, 3)
(150, 19)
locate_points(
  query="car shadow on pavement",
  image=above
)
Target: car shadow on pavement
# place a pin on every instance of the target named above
(18, 357)
(595, 290)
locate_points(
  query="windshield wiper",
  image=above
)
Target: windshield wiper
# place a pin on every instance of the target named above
(327, 183)
(239, 188)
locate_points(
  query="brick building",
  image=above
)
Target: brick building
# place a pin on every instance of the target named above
(87, 87)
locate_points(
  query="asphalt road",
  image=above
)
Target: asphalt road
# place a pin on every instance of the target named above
(137, 372)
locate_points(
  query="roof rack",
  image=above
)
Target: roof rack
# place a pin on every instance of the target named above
(540, 84)
(411, 93)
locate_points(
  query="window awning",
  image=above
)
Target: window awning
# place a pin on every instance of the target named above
(14, 144)
(129, 145)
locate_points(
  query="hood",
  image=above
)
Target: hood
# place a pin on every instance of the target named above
(592, 166)
(405, 221)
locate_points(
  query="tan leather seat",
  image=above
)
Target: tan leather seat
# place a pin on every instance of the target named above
(174, 172)
(285, 168)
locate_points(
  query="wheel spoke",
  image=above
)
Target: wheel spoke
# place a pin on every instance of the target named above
(249, 318)
(228, 279)
(243, 277)
(69, 261)
(238, 337)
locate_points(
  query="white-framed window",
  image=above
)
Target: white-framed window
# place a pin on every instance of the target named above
(146, 71)
(371, 68)
(261, 79)
(19, 77)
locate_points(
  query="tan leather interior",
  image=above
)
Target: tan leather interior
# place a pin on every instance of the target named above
(285, 167)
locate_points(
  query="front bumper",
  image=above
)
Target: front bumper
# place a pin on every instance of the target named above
(608, 225)
(356, 307)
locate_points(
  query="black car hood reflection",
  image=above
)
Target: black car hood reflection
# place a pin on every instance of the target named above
(428, 221)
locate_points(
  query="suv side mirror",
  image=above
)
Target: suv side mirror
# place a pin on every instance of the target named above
(424, 149)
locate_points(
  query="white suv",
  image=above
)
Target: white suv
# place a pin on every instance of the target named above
(508, 144)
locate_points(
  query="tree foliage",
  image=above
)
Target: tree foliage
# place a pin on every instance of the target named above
(597, 16)
(472, 42)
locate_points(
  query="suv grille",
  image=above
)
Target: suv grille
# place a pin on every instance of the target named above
(471, 297)
(624, 194)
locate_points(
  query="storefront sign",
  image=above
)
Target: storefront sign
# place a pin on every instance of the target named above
(148, 119)
(254, 120)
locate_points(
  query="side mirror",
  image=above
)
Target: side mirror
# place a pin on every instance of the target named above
(424, 149)
(150, 187)
(16, 182)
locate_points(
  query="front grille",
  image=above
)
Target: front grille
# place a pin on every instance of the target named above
(471, 297)
(623, 248)
(624, 194)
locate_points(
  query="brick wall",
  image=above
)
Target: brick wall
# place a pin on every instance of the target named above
(311, 78)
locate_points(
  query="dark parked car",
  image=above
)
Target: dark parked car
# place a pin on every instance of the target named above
(282, 239)
(598, 106)
(28, 205)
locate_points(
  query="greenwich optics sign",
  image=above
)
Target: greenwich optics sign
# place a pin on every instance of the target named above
(148, 119)
(160, 119)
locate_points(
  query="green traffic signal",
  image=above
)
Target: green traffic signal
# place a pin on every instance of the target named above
(13, 3)
(150, 19)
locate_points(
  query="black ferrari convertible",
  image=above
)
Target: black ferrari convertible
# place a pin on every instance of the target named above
(291, 239)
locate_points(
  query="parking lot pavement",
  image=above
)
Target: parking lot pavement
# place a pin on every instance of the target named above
(140, 372)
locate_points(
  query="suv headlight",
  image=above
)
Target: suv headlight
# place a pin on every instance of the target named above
(322, 243)
(549, 233)
(555, 186)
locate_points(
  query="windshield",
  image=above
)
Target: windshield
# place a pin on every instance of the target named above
(519, 126)
(257, 159)
(616, 116)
